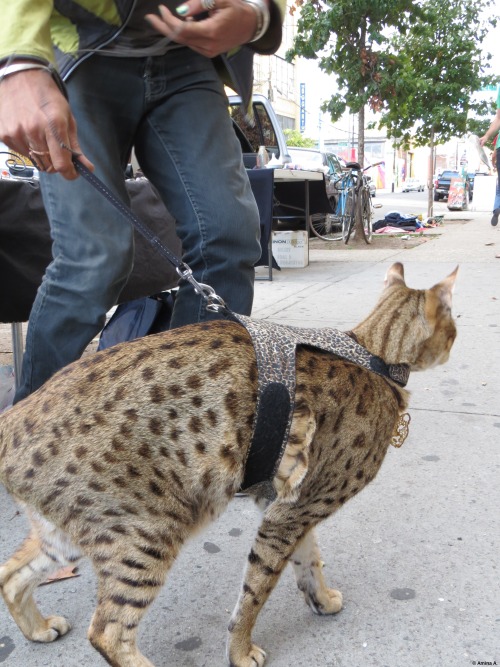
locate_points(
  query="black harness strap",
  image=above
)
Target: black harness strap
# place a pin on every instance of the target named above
(275, 348)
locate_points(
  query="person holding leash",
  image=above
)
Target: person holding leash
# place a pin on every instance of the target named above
(96, 79)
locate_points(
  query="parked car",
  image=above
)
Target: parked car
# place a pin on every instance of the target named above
(442, 185)
(313, 159)
(413, 185)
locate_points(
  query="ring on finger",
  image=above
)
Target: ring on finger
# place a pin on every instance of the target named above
(32, 150)
(39, 159)
(208, 5)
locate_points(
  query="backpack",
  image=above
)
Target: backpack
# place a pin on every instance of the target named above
(137, 318)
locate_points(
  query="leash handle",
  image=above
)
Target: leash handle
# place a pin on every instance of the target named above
(215, 303)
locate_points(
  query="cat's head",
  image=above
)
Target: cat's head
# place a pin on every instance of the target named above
(409, 326)
(426, 316)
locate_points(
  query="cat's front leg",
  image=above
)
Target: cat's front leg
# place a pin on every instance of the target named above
(43, 552)
(308, 568)
(278, 536)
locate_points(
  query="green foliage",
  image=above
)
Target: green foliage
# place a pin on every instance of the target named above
(440, 68)
(351, 39)
(418, 62)
(295, 138)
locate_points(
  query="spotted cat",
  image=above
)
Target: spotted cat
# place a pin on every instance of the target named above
(123, 454)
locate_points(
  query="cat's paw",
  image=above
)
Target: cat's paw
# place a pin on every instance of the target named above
(327, 601)
(52, 628)
(255, 658)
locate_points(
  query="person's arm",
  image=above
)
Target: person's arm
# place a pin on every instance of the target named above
(493, 129)
(34, 113)
(25, 31)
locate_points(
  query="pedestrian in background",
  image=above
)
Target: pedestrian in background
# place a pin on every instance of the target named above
(493, 130)
(99, 78)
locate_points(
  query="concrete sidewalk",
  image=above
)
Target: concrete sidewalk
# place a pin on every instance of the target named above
(415, 554)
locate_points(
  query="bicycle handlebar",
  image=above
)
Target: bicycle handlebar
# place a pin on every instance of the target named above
(375, 164)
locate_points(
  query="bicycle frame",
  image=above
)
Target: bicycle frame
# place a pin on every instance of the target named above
(353, 209)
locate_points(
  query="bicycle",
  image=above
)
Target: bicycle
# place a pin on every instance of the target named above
(329, 226)
(354, 208)
(363, 207)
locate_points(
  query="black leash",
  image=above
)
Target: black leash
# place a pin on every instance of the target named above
(215, 303)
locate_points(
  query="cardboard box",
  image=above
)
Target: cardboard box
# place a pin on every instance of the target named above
(291, 249)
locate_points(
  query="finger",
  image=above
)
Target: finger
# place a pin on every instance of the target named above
(194, 7)
(189, 33)
(41, 159)
(64, 147)
(166, 24)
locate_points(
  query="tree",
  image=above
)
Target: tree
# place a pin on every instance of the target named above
(295, 138)
(418, 63)
(346, 36)
(440, 68)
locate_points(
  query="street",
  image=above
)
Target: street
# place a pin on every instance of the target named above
(406, 202)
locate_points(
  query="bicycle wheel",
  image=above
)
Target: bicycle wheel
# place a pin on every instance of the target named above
(366, 214)
(326, 226)
(348, 219)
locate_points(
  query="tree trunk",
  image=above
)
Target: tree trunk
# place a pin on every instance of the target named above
(361, 136)
(358, 238)
(361, 112)
(430, 179)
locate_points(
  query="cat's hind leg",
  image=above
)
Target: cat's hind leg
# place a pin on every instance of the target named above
(44, 551)
(308, 568)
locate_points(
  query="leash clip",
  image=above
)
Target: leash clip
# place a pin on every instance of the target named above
(215, 303)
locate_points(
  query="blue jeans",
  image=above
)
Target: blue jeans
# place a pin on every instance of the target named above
(173, 110)
(497, 193)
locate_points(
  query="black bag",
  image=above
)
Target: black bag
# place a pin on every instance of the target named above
(137, 318)
(26, 246)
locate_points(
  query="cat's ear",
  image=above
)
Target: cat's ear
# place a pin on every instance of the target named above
(395, 275)
(295, 462)
(445, 288)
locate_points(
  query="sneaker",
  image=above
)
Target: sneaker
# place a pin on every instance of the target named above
(494, 219)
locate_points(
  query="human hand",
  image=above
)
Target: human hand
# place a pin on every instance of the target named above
(483, 140)
(35, 120)
(230, 23)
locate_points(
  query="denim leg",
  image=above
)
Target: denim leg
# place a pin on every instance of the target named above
(92, 243)
(497, 193)
(188, 149)
(174, 109)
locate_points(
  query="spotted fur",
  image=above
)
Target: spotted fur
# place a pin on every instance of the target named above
(122, 455)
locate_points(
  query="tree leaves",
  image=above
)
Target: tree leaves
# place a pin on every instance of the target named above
(417, 62)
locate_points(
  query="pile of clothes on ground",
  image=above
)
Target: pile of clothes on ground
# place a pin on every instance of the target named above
(395, 223)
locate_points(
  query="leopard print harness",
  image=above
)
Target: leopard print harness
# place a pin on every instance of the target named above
(275, 349)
